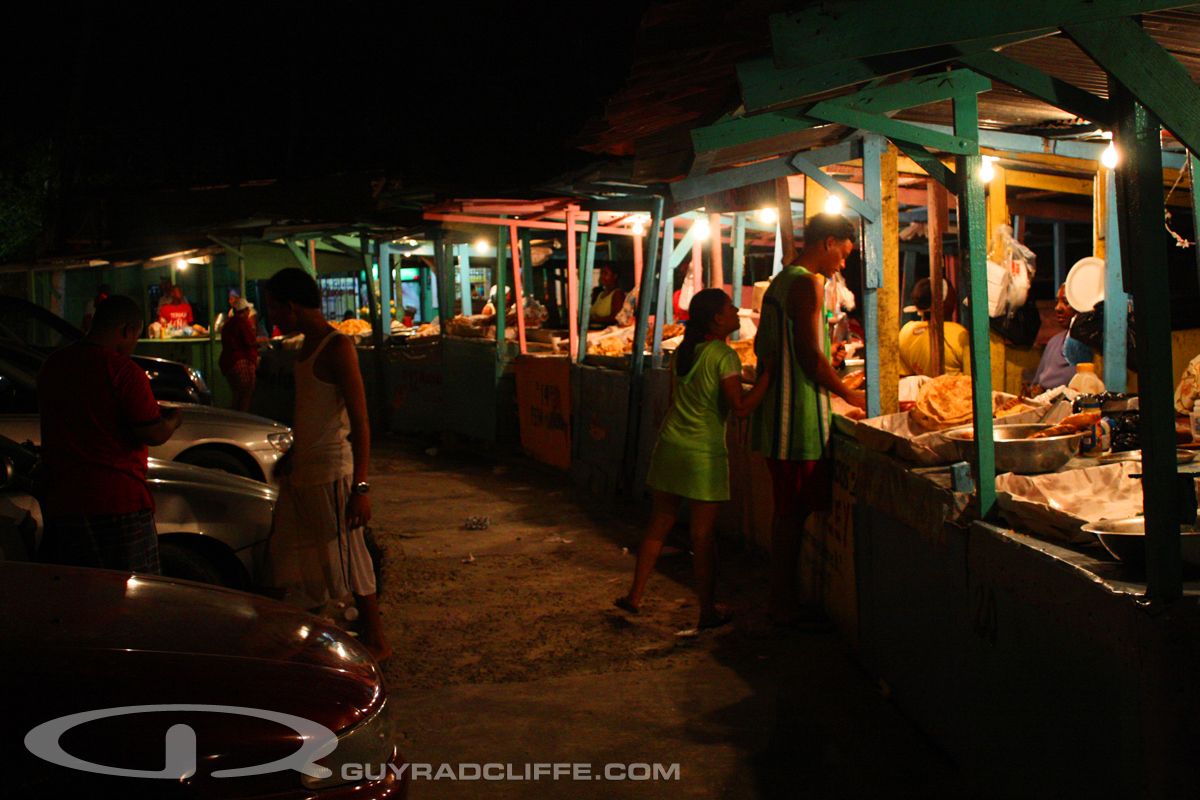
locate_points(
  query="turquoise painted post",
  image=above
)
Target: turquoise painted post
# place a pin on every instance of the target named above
(1144, 256)
(1194, 163)
(585, 282)
(501, 288)
(973, 235)
(739, 261)
(1060, 254)
(464, 277)
(874, 146)
(666, 285)
(439, 260)
(651, 277)
(1116, 302)
(527, 264)
(386, 295)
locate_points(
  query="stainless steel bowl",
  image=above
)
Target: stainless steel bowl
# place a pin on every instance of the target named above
(1015, 451)
(1126, 540)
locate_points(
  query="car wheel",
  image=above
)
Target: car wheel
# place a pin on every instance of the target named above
(218, 459)
(186, 564)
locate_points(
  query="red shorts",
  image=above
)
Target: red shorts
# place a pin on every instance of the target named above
(801, 487)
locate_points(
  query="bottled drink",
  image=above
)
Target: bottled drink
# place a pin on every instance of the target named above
(1086, 381)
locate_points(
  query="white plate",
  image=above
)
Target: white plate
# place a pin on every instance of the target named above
(1085, 283)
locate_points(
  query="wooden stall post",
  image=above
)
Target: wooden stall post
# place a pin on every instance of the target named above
(786, 241)
(666, 284)
(519, 286)
(939, 221)
(997, 202)
(972, 238)
(501, 291)
(639, 241)
(464, 277)
(651, 276)
(527, 262)
(697, 268)
(1193, 164)
(739, 261)
(881, 263)
(585, 291)
(1139, 197)
(717, 278)
(815, 196)
(1116, 301)
(386, 295)
(441, 273)
(572, 284)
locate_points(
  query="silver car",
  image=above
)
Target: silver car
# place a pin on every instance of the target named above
(212, 527)
(217, 438)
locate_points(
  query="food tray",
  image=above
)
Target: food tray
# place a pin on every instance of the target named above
(1057, 505)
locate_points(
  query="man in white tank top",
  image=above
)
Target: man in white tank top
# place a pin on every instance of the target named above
(317, 549)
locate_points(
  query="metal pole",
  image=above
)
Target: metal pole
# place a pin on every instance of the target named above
(651, 276)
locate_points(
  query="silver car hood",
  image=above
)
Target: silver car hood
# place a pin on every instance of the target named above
(213, 415)
(172, 475)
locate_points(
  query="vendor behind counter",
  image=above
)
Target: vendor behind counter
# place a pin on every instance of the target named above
(915, 350)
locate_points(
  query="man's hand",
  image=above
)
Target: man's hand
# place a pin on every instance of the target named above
(358, 511)
(838, 357)
(856, 398)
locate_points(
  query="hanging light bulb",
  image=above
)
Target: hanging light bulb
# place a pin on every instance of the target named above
(833, 204)
(1109, 157)
(768, 215)
(702, 229)
(181, 265)
(986, 170)
(481, 246)
(639, 227)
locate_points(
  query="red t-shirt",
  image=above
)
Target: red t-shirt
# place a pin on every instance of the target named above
(238, 342)
(91, 398)
(175, 316)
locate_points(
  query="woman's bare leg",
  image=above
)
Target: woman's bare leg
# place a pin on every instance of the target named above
(704, 558)
(662, 519)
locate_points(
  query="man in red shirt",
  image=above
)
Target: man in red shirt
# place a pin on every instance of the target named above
(98, 415)
(177, 313)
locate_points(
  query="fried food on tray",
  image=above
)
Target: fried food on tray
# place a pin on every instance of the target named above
(745, 350)
(352, 326)
(943, 402)
(855, 379)
(1072, 424)
(609, 346)
(1009, 407)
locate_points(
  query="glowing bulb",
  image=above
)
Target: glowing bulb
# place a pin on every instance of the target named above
(702, 229)
(481, 246)
(1109, 157)
(986, 172)
(638, 227)
(833, 204)
(768, 215)
(181, 265)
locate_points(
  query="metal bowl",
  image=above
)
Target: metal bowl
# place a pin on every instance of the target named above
(1015, 452)
(1126, 540)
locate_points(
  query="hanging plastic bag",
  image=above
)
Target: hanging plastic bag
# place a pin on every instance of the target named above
(1017, 266)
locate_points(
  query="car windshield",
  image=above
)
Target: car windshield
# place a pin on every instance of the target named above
(33, 326)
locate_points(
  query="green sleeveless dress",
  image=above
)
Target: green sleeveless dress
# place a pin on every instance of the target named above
(690, 458)
(792, 423)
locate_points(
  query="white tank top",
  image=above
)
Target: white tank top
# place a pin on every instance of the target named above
(321, 427)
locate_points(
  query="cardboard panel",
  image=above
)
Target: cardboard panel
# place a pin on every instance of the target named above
(544, 408)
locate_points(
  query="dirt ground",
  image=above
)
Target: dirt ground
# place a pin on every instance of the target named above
(531, 596)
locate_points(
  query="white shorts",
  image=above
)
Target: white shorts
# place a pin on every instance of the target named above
(311, 553)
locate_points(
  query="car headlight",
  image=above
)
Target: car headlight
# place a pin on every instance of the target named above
(281, 441)
(368, 746)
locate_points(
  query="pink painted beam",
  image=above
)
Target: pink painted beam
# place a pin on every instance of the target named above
(518, 290)
(718, 267)
(572, 284)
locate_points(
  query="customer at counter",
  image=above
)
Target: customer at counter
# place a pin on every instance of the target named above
(916, 356)
(607, 298)
(791, 426)
(1062, 353)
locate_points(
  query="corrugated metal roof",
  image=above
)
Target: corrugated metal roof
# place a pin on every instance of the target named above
(684, 77)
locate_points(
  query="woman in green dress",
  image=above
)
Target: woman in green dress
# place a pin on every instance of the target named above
(690, 460)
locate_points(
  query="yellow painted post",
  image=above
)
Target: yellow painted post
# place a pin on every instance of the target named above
(889, 293)
(1099, 214)
(997, 202)
(815, 196)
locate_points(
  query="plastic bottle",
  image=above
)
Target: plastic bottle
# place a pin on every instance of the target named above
(1085, 380)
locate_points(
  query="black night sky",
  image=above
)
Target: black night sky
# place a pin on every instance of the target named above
(445, 92)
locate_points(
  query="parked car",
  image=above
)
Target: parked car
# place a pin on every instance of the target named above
(212, 527)
(33, 328)
(74, 641)
(217, 438)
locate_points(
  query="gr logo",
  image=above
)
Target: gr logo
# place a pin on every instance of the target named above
(180, 743)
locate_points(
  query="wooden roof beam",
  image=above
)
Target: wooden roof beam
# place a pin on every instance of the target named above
(1058, 93)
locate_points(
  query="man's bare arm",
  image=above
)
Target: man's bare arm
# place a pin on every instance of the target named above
(349, 379)
(160, 430)
(805, 306)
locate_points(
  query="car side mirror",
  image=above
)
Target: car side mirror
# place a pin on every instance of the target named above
(8, 472)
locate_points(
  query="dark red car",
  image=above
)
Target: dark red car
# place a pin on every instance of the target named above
(74, 641)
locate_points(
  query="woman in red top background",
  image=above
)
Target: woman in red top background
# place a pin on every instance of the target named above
(239, 354)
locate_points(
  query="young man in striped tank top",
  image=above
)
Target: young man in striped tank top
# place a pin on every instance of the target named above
(791, 426)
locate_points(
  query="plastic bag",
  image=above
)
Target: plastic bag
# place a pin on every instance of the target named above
(1018, 265)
